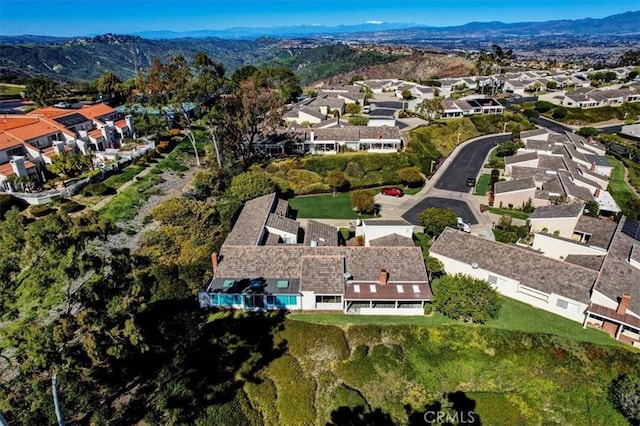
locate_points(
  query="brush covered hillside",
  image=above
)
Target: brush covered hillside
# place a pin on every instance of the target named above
(272, 370)
(418, 66)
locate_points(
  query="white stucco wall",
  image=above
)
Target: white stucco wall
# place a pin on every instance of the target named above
(511, 288)
(372, 232)
(565, 225)
(557, 248)
(517, 198)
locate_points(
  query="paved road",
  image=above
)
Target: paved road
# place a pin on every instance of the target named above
(459, 206)
(467, 163)
(561, 128)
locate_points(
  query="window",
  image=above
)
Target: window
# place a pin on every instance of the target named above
(356, 288)
(282, 300)
(372, 288)
(571, 307)
(282, 284)
(416, 288)
(228, 283)
(328, 299)
(400, 288)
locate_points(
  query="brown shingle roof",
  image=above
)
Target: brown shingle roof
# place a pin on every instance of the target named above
(587, 261)
(530, 269)
(282, 223)
(601, 230)
(322, 274)
(618, 276)
(404, 264)
(558, 211)
(514, 185)
(323, 234)
(393, 240)
(250, 224)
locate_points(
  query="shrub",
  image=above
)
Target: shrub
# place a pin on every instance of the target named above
(543, 106)
(531, 113)
(588, 131)
(506, 149)
(358, 120)
(250, 185)
(70, 206)
(465, 298)
(363, 201)
(411, 176)
(337, 180)
(40, 211)
(352, 108)
(7, 201)
(559, 113)
(428, 308)
(624, 392)
(435, 220)
(97, 189)
(354, 169)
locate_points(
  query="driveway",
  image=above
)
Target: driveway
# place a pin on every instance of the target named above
(388, 104)
(467, 163)
(387, 202)
(459, 206)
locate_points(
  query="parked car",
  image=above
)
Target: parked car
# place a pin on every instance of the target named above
(471, 182)
(366, 109)
(463, 226)
(393, 191)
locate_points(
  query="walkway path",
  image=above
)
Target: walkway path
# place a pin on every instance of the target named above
(104, 201)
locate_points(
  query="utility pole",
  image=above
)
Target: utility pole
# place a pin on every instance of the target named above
(56, 403)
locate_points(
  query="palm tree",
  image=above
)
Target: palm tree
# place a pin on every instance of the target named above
(107, 83)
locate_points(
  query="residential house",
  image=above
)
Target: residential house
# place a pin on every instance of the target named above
(258, 270)
(357, 138)
(558, 219)
(378, 232)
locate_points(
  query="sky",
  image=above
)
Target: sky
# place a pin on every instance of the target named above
(83, 17)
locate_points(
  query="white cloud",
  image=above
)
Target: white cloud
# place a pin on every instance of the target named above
(374, 22)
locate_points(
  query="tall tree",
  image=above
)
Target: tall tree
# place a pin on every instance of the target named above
(41, 91)
(500, 58)
(430, 107)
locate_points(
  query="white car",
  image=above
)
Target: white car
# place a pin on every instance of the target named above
(463, 226)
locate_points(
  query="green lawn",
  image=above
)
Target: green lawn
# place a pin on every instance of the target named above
(411, 191)
(513, 213)
(619, 189)
(514, 316)
(11, 90)
(326, 206)
(123, 177)
(482, 185)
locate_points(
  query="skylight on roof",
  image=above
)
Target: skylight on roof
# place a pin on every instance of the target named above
(282, 284)
(400, 288)
(416, 288)
(356, 288)
(228, 283)
(372, 288)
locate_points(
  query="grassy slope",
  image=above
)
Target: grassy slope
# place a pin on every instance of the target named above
(510, 377)
(618, 188)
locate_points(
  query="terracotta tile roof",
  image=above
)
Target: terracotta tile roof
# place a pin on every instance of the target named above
(36, 130)
(12, 121)
(96, 111)
(7, 141)
(7, 170)
(53, 112)
(121, 124)
(530, 269)
(95, 133)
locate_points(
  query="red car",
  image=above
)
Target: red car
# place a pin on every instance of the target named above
(394, 192)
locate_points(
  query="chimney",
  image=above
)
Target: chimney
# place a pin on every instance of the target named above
(58, 147)
(597, 193)
(214, 262)
(623, 305)
(129, 120)
(312, 136)
(593, 166)
(384, 276)
(18, 166)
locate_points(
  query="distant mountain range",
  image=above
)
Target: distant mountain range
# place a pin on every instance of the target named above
(625, 23)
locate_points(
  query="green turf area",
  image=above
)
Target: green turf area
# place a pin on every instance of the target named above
(482, 184)
(325, 206)
(504, 212)
(123, 177)
(514, 315)
(618, 188)
(11, 90)
(411, 191)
